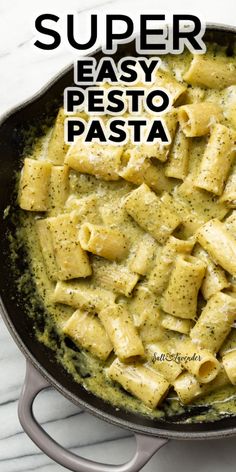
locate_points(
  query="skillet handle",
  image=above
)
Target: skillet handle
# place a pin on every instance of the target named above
(34, 383)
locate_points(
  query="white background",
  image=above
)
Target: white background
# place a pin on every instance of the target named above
(23, 70)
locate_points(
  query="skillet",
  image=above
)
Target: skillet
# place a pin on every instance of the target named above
(18, 131)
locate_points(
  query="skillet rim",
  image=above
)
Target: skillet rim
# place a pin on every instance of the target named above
(167, 433)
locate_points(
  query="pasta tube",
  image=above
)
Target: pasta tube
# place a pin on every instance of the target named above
(160, 274)
(198, 361)
(59, 188)
(180, 297)
(34, 185)
(212, 72)
(143, 256)
(115, 277)
(161, 151)
(175, 89)
(219, 243)
(162, 361)
(103, 241)
(188, 388)
(217, 160)
(86, 208)
(86, 330)
(141, 381)
(197, 119)
(215, 321)
(72, 261)
(95, 158)
(200, 204)
(144, 308)
(143, 305)
(215, 279)
(46, 246)
(57, 148)
(121, 331)
(176, 324)
(230, 223)
(229, 344)
(82, 295)
(177, 164)
(229, 363)
(229, 194)
(152, 214)
(137, 169)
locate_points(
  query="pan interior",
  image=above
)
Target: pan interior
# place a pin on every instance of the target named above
(18, 134)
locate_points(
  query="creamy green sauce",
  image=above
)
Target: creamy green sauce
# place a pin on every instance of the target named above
(86, 369)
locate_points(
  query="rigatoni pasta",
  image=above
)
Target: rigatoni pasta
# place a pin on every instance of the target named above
(72, 261)
(177, 164)
(217, 160)
(132, 249)
(211, 71)
(215, 321)
(197, 119)
(121, 331)
(219, 244)
(151, 213)
(105, 242)
(86, 330)
(180, 297)
(141, 381)
(34, 185)
(95, 159)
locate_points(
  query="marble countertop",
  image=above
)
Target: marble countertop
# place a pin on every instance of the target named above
(23, 71)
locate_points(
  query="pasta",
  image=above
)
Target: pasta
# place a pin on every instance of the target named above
(82, 295)
(210, 71)
(215, 279)
(141, 381)
(188, 388)
(196, 119)
(167, 81)
(160, 274)
(59, 188)
(219, 244)
(180, 297)
(115, 277)
(132, 249)
(72, 261)
(217, 160)
(121, 331)
(34, 185)
(95, 159)
(229, 363)
(153, 215)
(137, 169)
(162, 361)
(215, 321)
(176, 324)
(143, 256)
(46, 246)
(177, 165)
(229, 193)
(160, 151)
(57, 147)
(105, 242)
(87, 331)
(198, 361)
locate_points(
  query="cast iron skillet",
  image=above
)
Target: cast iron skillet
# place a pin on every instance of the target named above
(43, 370)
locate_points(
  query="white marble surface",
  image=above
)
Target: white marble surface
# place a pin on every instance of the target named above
(23, 70)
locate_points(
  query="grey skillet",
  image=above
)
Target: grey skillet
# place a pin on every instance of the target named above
(42, 369)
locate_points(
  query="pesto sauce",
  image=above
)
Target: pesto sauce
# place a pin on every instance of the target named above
(86, 369)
